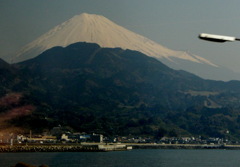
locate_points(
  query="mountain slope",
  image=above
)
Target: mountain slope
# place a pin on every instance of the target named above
(10, 78)
(119, 92)
(15, 102)
(100, 30)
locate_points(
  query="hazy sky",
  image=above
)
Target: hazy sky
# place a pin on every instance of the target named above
(172, 23)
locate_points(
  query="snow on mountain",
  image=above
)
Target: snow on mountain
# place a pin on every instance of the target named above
(98, 29)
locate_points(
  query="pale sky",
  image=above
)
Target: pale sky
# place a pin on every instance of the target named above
(174, 24)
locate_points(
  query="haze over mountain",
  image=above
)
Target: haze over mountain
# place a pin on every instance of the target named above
(98, 29)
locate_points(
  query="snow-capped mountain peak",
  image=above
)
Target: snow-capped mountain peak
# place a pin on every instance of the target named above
(98, 29)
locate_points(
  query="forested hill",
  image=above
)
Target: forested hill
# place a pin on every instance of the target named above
(120, 92)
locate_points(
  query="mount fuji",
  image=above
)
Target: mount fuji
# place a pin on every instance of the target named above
(98, 29)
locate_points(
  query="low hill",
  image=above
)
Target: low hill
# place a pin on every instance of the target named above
(115, 91)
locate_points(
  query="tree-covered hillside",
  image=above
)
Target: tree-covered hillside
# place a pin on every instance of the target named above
(119, 92)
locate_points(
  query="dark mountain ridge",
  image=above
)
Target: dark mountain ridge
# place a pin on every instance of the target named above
(118, 92)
